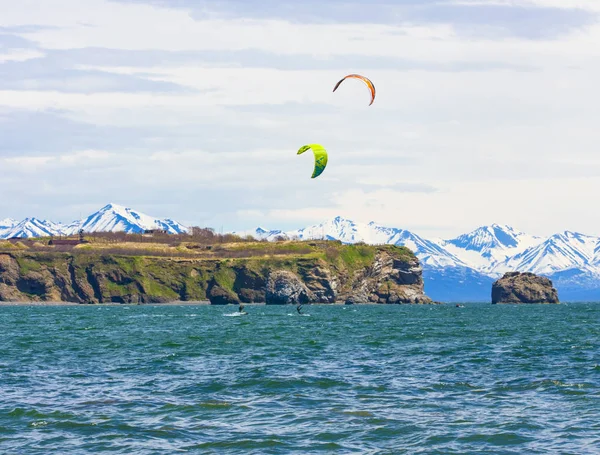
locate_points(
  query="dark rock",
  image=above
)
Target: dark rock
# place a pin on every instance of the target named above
(251, 295)
(285, 288)
(321, 283)
(517, 287)
(221, 296)
(34, 284)
(249, 285)
(357, 298)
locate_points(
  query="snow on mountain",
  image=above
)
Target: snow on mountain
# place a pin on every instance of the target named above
(338, 228)
(487, 245)
(563, 251)
(32, 227)
(116, 218)
(480, 249)
(348, 231)
(262, 234)
(463, 268)
(429, 253)
(111, 218)
(482, 254)
(490, 250)
(7, 223)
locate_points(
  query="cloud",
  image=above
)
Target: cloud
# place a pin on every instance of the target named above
(38, 72)
(496, 19)
(19, 55)
(48, 132)
(108, 60)
(485, 111)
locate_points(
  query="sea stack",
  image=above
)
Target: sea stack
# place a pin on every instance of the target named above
(517, 287)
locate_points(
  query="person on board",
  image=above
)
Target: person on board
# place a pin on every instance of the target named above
(298, 308)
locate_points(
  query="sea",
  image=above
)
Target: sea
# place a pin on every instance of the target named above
(358, 379)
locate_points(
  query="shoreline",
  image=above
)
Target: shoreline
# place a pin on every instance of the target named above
(194, 303)
(33, 303)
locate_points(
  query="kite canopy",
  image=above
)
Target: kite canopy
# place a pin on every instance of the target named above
(320, 157)
(367, 81)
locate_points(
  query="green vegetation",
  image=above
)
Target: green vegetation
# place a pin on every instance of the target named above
(28, 264)
(148, 271)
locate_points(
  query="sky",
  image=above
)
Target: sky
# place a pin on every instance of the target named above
(486, 112)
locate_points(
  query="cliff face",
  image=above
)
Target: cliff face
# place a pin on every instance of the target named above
(516, 287)
(388, 280)
(326, 274)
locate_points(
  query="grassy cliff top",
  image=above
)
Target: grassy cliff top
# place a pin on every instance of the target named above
(127, 271)
(332, 252)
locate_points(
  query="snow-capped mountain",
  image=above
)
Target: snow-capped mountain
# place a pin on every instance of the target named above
(429, 252)
(110, 218)
(32, 227)
(487, 245)
(7, 223)
(338, 228)
(461, 268)
(348, 231)
(564, 251)
(262, 234)
(468, 264)
(116, 218)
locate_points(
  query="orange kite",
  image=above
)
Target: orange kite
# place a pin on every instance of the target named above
(362, 78)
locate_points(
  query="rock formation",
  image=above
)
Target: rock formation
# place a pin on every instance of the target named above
(328, 272)
(389, 280)
(517, 287)
(284, 287)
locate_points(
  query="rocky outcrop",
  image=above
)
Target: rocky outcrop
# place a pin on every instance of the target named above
(218, 295)
(330, 272)
(389, 280)
(322, 283)
(517, 287)
(249, 285)
(284, 288)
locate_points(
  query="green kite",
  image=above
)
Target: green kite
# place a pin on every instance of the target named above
(320, 157)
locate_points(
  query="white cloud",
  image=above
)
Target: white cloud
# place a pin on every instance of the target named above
(35, 163)
(28, 162)
(19, 55)
(591, 5)
(459, 148)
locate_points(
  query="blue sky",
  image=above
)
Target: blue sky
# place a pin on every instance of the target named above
(486, 111)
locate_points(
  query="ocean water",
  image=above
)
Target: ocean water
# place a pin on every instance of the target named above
(364, 379)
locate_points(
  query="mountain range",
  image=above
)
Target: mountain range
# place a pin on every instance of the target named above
(110, 218)
(458, 269)
(464, 268)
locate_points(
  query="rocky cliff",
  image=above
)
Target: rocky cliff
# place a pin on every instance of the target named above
(516, 287)
(317, 272)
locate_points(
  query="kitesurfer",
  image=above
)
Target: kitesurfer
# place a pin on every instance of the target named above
(242, 309)
(298, 308)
